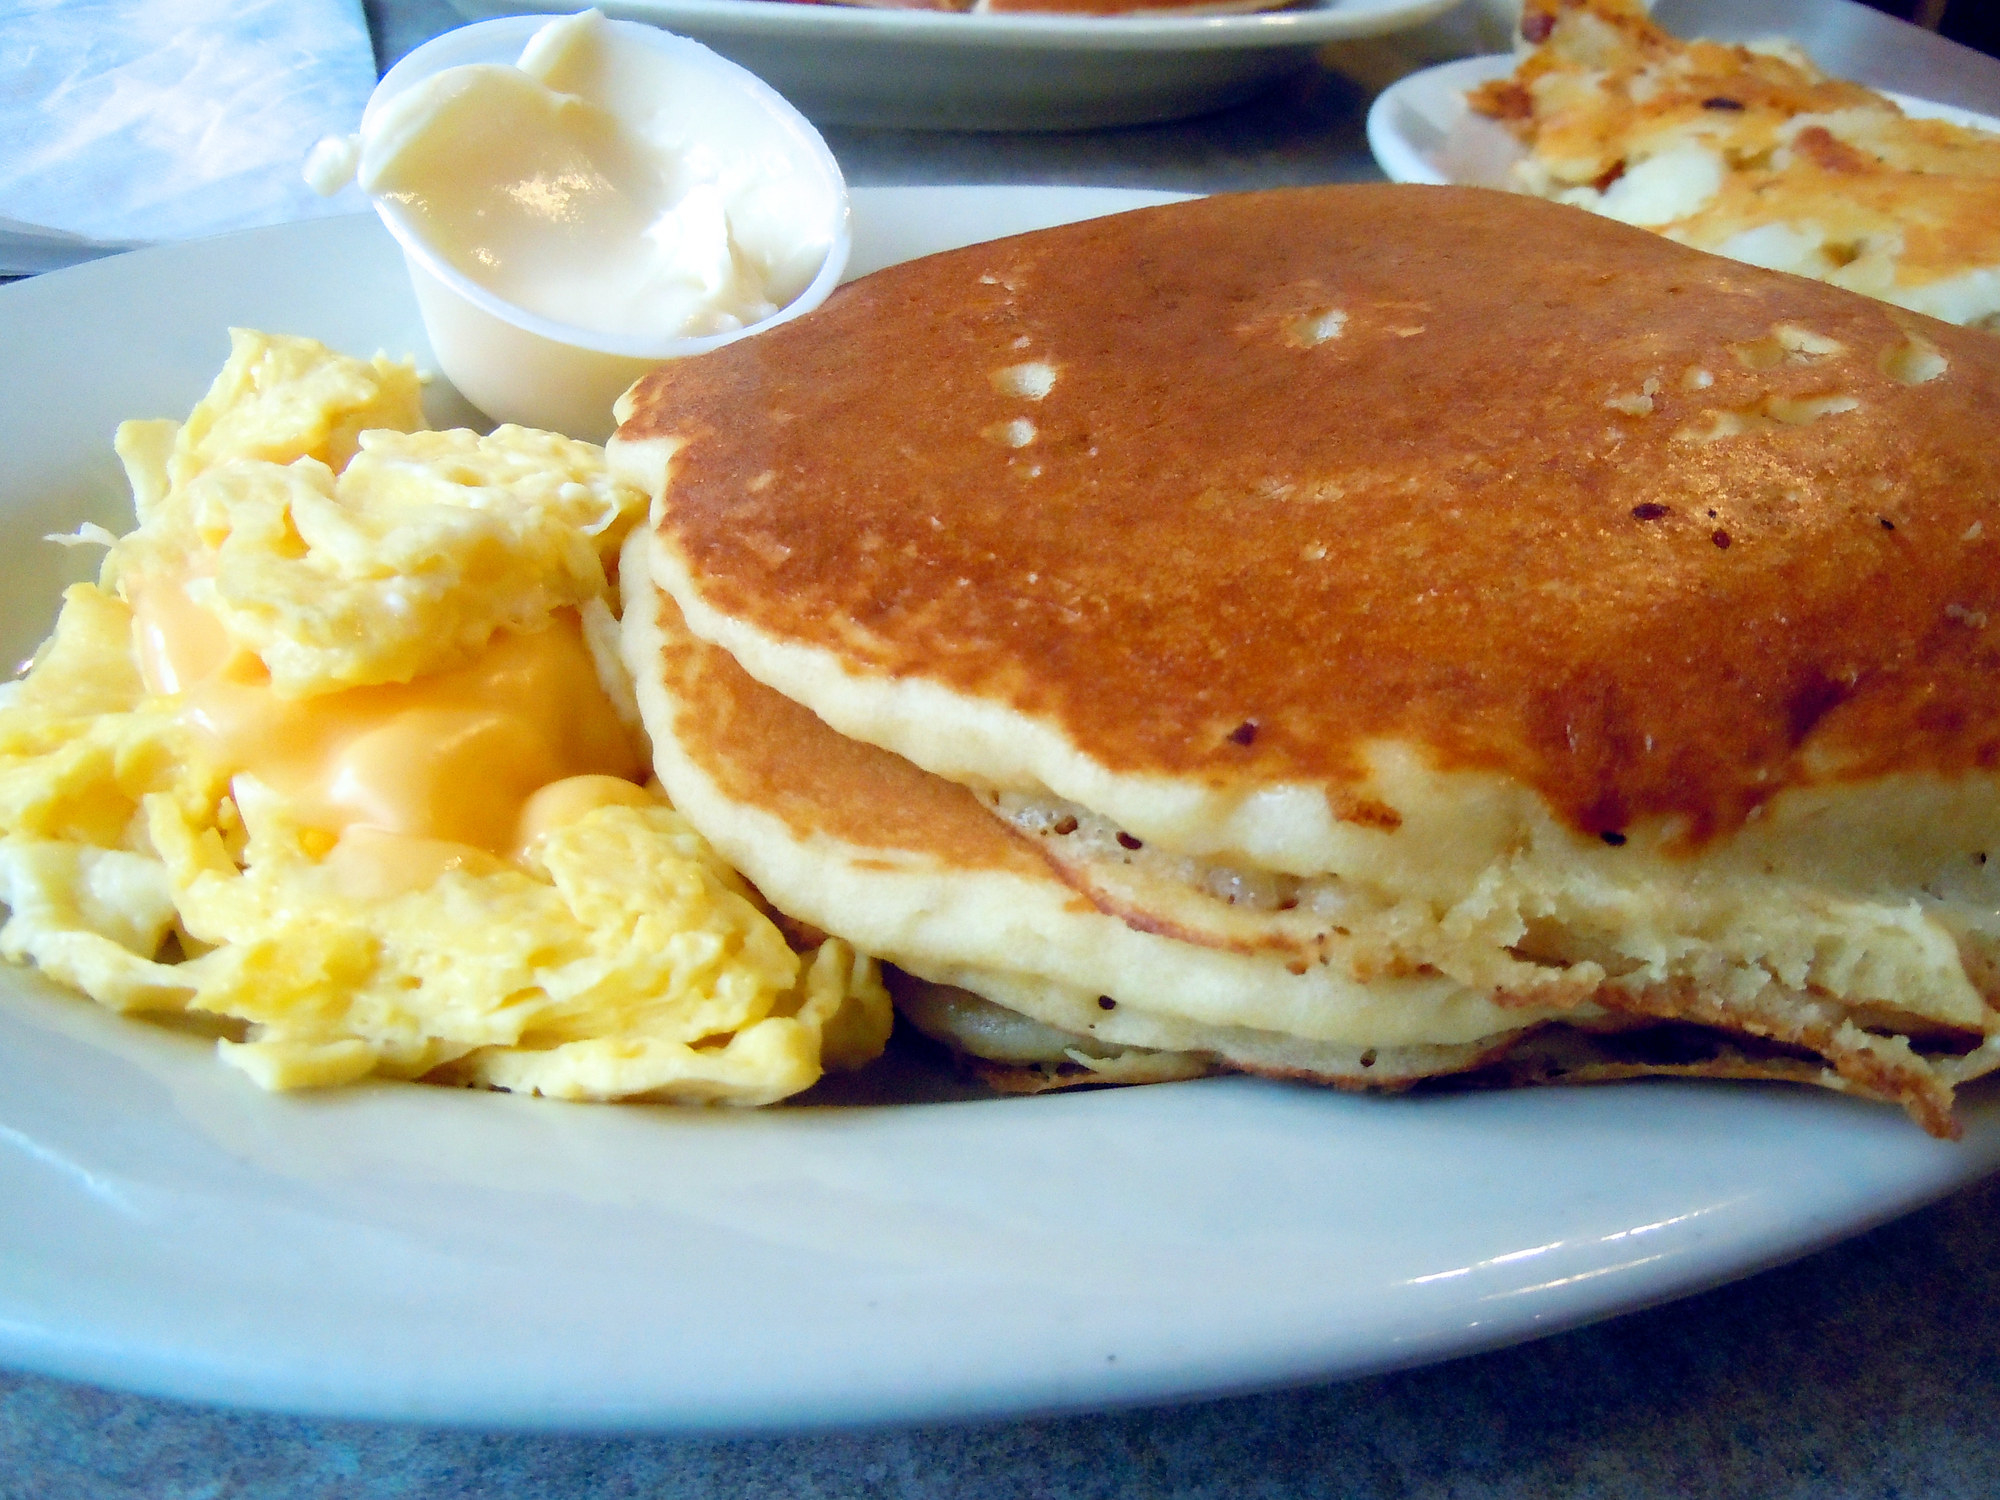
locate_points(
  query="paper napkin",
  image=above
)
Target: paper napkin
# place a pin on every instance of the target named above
(129, 122)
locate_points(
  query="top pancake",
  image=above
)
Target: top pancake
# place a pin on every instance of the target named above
(1333, 492)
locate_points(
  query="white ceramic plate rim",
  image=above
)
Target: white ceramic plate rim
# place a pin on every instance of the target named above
(781, 20)
(393, 1251)
(1409, 117)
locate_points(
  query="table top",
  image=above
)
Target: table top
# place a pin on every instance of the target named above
(1871, 1369)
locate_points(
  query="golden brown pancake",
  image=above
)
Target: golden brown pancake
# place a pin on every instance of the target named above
(1486, 517)
(1408, 586)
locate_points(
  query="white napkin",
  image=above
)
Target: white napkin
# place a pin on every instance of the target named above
(128, 122)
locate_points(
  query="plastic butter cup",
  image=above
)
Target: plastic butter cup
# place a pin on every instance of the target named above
(686, 207)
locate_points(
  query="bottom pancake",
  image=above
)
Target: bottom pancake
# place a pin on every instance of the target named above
(1014, 1054)
(922, 873)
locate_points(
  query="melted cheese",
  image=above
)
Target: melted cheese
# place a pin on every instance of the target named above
(178, 643)
(561, 803)
(453, 757)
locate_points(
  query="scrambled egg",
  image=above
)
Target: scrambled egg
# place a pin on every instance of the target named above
(336, 759)
(1753, 153)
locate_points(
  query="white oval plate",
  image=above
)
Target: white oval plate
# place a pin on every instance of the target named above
(848, 65)
(1421, 131)
(398, 1251)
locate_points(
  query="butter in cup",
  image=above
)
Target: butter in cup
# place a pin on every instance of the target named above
(579, 199)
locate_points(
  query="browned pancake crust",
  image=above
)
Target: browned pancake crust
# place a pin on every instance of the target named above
(765, 751)
(1230, 556)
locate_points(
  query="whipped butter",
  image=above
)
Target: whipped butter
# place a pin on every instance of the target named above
(600, 183)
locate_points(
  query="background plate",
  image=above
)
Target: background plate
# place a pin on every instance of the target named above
(844, 65)
(403, 1252)
(1420, 131)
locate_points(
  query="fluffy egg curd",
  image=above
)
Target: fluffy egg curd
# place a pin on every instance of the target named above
(336, 759)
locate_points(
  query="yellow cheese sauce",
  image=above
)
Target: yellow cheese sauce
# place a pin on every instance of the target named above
(454, 755)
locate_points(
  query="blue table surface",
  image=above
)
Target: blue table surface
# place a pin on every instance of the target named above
(1868, 1370)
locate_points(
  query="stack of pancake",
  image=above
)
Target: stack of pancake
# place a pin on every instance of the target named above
(1361, 633)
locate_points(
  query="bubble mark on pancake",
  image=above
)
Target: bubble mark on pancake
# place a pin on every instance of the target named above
(1314, 329)
(1786, 344)
(1914, 361)
(1637, 403)
(1031, 381)
(1763, 416)
(1017, 433)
